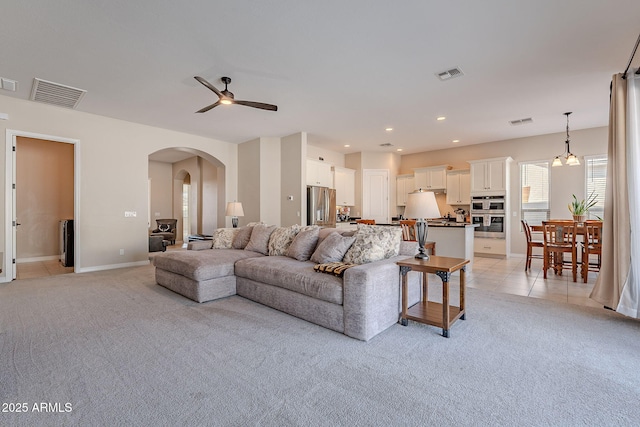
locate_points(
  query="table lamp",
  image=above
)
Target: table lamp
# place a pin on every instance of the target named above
(234, 210)
(420, 206)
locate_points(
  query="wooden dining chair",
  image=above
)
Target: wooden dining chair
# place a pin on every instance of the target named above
(591, 246)
(530, 245)
(559, 238)
(366, 221)
(409, 234)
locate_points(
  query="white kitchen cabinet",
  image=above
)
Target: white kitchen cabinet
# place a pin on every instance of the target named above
(404, 186)
(344, 181)
(491, 175)
(319, 174)
(459, 187)
(431, 178)
(490, 247)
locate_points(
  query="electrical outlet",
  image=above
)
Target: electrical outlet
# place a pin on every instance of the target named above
(121, 251)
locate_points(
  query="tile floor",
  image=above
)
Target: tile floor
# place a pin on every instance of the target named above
(501, 275)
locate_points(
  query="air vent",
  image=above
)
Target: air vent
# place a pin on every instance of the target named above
(56, 94)
(8, 84)
(521, 121)
(386, 144)
(449, 74)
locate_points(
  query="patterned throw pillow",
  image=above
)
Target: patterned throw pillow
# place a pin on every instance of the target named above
(374, 243)
(304, 244)
(332, 248)
(335, 268)
(281, 239)
(223, 237)
(259, 241)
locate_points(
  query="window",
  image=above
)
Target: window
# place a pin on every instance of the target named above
(534, 185)
(596, 178)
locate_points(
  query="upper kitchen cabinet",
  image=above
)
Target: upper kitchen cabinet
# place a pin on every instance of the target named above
(319, 174)
(431, 178)
(404, 186)
(458, 187)
(490, 175)
(345, 184)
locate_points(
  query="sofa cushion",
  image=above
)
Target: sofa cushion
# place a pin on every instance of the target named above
(242, 237)
(332, 248)
(202, 265)
(374, 243)
(281, 238)
(296, 276)
(259, 241)
(223, 237)
(303, 244)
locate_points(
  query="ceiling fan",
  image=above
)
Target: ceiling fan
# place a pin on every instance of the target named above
(226, 97)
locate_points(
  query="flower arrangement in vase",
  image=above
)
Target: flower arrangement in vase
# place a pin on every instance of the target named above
(579, 208)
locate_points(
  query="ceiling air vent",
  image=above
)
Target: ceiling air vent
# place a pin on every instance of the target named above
(449, 74)
(56, 94)
(386, 144)
(521, 121)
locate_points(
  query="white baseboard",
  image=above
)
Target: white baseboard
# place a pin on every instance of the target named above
(112, 266)
(38, 259)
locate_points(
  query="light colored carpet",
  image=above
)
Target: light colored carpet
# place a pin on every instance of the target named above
(125, 351)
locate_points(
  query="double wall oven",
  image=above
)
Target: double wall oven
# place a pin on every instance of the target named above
(489, 213)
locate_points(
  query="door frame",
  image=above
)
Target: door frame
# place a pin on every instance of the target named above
(9, 247)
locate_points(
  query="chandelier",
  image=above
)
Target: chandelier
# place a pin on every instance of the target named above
(570, 158)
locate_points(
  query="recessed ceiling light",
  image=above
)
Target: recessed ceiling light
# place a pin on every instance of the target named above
(455, 140)
(441, 118)
(347, 146)
(388, 129)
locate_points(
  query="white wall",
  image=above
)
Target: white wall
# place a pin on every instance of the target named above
(564, 181)
(293, 158)
(161, 176)
(113, 168)
(332, 157)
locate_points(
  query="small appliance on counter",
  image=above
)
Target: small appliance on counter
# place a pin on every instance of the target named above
(461, 215)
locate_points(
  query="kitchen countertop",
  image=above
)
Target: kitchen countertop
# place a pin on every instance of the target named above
(429, 223)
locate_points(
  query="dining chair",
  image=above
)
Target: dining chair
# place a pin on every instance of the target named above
(591, 245)
(409, 234)
(559, 238)
(530, 245)
(366, 221)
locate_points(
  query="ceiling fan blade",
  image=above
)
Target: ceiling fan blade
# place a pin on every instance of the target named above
(205, 109)
(209, 86)
(260, 105)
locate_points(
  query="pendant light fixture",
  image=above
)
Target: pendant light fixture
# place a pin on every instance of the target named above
(570, 158)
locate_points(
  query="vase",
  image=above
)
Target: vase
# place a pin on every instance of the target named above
(579, 218)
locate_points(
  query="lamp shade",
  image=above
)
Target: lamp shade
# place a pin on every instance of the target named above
(422, 205)
(234, 209)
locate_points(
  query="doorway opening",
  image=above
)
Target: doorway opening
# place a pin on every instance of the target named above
(186, 200)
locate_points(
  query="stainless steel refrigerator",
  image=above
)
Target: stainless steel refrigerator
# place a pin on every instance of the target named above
(321, 206)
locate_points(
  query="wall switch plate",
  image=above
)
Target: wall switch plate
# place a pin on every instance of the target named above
(130, 214)
(121, 251)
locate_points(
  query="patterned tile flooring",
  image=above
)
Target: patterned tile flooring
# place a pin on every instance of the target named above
(501, 275)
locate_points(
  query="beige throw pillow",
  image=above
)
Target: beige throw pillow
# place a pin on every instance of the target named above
(259, 241)
(332, 248)
(281, 238)
(223, 237)
(242, 237)
(303, 244)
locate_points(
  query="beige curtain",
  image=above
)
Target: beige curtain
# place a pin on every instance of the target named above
(616, 239)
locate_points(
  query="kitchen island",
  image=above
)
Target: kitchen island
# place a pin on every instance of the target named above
(453, 239)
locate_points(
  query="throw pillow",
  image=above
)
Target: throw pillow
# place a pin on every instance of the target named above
(281, 238)
(332, 248)
(303, 244)
(242, 237)
(259, 241)
(335, 268)
(223, 237)
(374, 243)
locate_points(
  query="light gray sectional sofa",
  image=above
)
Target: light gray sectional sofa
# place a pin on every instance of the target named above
(361, 304)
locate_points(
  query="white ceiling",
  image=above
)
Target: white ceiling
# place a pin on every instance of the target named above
(342, 71)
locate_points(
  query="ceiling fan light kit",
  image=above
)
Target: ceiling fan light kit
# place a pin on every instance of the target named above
(226, 97)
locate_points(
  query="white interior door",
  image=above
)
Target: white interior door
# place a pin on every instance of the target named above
(375, 195)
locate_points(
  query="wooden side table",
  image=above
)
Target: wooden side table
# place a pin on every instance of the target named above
(430, 312)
